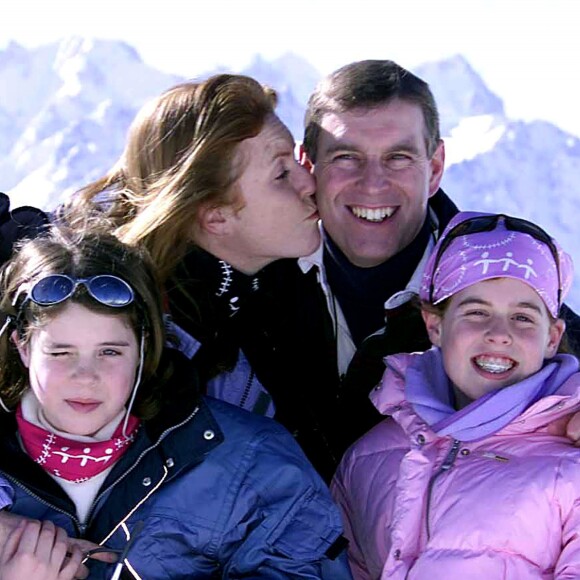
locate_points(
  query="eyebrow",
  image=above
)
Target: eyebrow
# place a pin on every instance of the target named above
(280, 146)
(345, 145)
(106, 343)
(473, 300)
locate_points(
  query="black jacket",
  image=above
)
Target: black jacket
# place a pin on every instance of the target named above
(338, 408)
(226, 312)
(22, 222)
(335, 409)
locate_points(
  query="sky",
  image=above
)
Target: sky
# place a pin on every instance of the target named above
(525, 50)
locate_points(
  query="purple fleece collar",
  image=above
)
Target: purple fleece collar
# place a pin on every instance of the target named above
(429, 391)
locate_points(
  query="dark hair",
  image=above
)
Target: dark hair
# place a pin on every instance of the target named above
(368, 83)
(79, 254)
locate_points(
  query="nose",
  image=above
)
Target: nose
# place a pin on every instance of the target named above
(374, 176)
(306, 184)
(85, 371)
(498, 332)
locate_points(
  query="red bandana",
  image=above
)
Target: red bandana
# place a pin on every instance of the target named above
(75, 461)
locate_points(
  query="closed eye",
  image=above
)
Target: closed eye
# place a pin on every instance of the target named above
(283, 175)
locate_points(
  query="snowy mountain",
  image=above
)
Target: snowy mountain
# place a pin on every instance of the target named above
(70, 105)
(65, 109)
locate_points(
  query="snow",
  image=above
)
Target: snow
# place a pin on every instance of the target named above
(471, 137)
(65, 109)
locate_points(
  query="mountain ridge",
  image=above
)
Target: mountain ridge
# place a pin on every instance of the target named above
(65, 109)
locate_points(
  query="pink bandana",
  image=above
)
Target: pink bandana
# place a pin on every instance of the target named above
(75, 461)
(498, 253)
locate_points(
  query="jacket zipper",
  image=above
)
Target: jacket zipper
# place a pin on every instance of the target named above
(445, 466)
(79, 527)
(246, 392)
(137, 461)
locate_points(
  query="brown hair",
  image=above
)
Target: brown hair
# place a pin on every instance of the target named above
(79, 254)
(180, 155)
(369, 83)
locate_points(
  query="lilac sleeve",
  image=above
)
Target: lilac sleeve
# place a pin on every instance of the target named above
(6, 494)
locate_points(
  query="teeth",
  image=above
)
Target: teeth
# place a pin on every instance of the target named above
(494, 364)
(372, 214)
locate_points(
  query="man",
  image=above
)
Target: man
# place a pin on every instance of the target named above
(372, 140)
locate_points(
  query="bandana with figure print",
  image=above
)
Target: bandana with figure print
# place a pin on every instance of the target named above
(75, 461)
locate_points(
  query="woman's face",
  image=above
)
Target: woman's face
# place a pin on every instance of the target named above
(279, 217)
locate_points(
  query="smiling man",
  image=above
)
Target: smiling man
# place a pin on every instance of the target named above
(372, 140)
(372, 137)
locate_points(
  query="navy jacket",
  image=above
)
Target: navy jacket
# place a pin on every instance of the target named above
(221, 492)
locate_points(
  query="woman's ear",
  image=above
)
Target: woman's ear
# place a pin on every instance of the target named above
(433, 325)
(555, 334)
(23, 348)
(215, 220)
(304, 159)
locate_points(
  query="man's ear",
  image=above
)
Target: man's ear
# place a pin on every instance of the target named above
(437, 164)
(433, 325)
(304, 159)
(23, 348)
(215, 220)
(555, 335)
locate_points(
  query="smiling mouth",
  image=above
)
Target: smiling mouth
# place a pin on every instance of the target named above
(370, 214)
(494, 364)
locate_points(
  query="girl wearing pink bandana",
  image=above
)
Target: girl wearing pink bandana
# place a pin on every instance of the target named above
(103, 435)
(471, 474)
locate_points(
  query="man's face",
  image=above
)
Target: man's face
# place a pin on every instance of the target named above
(374, 178)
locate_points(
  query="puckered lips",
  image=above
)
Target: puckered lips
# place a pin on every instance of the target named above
(313, 216)
(372, 214)
(495, 366)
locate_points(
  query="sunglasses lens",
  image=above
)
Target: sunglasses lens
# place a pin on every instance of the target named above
(529, 228)
(111, 291)
(52, 290)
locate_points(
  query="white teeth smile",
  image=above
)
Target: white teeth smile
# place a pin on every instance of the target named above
(494, 364)
(372, 214)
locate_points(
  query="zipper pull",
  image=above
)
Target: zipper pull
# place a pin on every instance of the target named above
(491, 455)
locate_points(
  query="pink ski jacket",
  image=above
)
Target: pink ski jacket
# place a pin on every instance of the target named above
(417, 505)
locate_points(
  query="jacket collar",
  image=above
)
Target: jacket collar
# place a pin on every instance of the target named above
(415, 390)
(440, 210)
(316, 259)
(154, 459)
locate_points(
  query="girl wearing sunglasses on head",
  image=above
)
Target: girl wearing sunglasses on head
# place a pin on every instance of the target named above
(102, 434)
(471, 475)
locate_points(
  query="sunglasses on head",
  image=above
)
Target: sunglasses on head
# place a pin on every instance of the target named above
(488, 223)
(104, 288)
